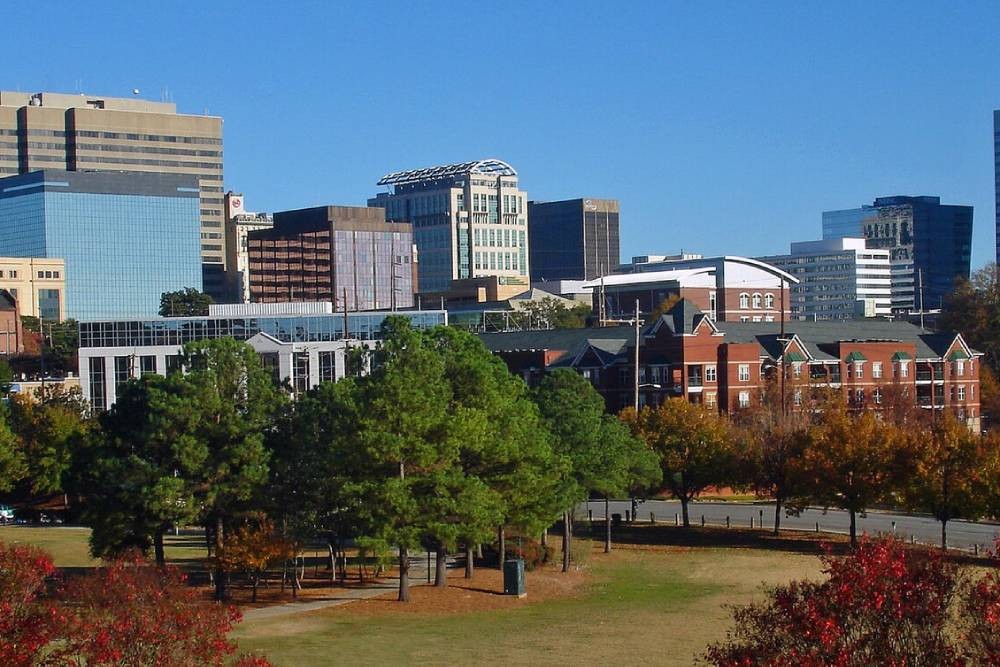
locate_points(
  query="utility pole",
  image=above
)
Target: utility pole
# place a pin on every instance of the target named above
(920, 283)
(41, 347)
(637, 355)
(781, 369)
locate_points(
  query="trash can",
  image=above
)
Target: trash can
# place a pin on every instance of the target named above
(513, 577)
(616, 520)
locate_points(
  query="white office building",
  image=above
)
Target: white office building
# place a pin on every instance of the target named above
(301, 344)
(839, 279)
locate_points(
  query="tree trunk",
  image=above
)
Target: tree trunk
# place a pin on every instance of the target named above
(479, 551)
(854, 528)
(777, 514)
(333, 561)
(566, 542)
(441, 569)
(256, 580)
(944, 535)
(607, 524)
(684, 512)
(470, 561)
(545, 537)
(502, 548)
(220, 576)
(404, 575)
(161, 559)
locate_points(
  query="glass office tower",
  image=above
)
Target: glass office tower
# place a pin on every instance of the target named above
(929, 243)
(575, 239)
(126, 237)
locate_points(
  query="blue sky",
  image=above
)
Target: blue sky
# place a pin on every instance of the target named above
(721, 127)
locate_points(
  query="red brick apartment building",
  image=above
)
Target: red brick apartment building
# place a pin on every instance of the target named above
(723, 365)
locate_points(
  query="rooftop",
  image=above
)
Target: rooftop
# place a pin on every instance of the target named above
(489, 167)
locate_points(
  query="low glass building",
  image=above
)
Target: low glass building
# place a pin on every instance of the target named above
(303, 344)
(125, 237)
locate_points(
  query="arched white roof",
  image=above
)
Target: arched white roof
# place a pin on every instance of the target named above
(488, 166)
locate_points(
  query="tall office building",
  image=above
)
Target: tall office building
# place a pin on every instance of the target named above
(239, 224)
(928, 242)
(469, 220)
(112, 230)
(576, 239)
(80, 132)
(996, 174)
(333, 253)
(839, 279)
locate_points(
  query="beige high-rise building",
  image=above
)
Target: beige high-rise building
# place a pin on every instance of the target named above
(470, 220)
(239, 223)
(85, 132)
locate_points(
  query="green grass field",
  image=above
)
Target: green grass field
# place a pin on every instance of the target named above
(643, 604)
(642, 607)
(68, 545)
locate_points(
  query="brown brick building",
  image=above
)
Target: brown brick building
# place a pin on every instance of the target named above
(330, 253)
(724, 365)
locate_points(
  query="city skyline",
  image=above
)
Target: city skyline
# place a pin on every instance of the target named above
(732, 117)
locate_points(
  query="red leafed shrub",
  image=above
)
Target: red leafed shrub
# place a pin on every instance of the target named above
(981, 616)
(28, 621)
(134, 613)
(883, 604)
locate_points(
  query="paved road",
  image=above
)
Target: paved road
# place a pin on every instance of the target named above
(926, 530)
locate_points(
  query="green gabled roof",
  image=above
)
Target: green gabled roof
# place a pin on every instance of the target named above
(856, 356)
(901, 356)
(794, 356)
(957, 354)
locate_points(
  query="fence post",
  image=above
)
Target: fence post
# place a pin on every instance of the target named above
(751, 522)
(703, 520)
(652, 518)
(676, 520)
(817, 526)
(727, 522)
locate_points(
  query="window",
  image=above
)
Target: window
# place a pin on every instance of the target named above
(877, 395)
(710, 399)
(744, 318)
(904, 369)
(744, 372)
(797, 397)
(710, 374)
(959, 368)
(756, 301)
(147, 365)
(744, 399)
(859, 370)
(98, 393)
(327, 366)
(756, 318)
(961, 393)
(13, 274)
(744, 300)
(797, 369)
(769, 300)
(876, 369)
(859, 396)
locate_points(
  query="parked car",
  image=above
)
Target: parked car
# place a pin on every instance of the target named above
(6, 514)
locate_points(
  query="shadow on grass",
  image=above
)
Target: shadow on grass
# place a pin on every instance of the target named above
(798, 542)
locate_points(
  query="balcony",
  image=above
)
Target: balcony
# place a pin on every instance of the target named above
(925, 374)
(694, 380)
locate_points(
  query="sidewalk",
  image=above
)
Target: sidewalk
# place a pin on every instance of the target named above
(418, 577)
